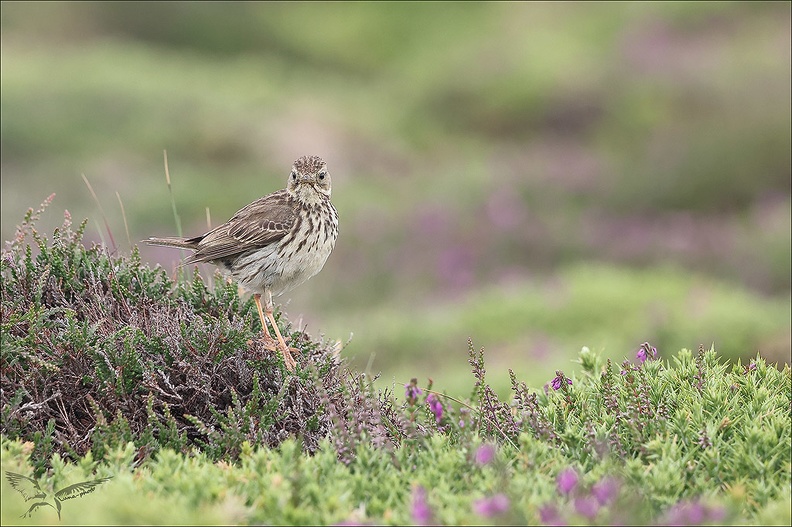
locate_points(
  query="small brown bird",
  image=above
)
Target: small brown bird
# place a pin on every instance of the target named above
(274, 244)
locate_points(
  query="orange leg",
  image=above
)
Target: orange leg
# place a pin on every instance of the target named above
(288, 360)
(257, 299)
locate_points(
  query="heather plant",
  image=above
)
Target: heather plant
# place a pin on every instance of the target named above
(113, 369)
(99, 350)
(467, 472)
(672, 430)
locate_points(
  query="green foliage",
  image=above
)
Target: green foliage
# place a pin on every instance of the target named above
(114, 370)
(664, 441)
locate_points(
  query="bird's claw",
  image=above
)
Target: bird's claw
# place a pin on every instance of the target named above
(271, 344)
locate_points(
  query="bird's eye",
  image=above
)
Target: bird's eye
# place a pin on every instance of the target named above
(322, 175)
(294, 175)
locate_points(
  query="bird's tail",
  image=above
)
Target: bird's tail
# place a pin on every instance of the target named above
(182, 243)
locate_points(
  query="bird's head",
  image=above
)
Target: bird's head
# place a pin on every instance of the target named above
(309, 180)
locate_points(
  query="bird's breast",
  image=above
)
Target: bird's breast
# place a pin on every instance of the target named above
(304, 250)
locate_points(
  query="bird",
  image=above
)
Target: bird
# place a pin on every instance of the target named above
(273, 244)
(30, 490)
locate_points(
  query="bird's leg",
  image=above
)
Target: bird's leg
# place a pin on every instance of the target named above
(257, 299)
(269, 342)
(287, 358)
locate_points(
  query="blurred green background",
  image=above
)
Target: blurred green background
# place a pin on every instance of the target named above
(536, 176)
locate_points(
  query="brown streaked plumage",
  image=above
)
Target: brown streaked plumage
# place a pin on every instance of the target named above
(275, 243)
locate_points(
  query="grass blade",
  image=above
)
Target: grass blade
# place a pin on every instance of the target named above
(101, 211)
(123, 215)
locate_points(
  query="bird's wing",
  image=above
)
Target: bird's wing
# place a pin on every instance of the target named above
(264, 221)
(35, 506)
(78, 489)
(28, 487)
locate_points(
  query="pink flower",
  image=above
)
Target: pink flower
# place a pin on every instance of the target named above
(587, 507)
(435, 406)
(647, 351)
(693, 513)
(411, 391)
(605, 490)
(548, 515)
(558, 381)
(421, 513)
(489, 507)
(567, 480)
(485, 454)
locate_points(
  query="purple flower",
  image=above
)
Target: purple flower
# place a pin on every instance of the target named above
(587, 507)
(489, 507)
(646, 351)
(435, 406)
(567, 480)
(693, 513)
(421, 513)
(704, 440)
(485, 454)
(605, 490)
(548, 515)
(748, 368)
(558, 381)
(411, 391)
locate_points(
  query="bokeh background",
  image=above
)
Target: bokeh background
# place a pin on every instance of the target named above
(537, 176)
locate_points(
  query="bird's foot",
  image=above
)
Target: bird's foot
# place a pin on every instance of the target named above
(269, 343)
(288, 360)
(272, 344)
